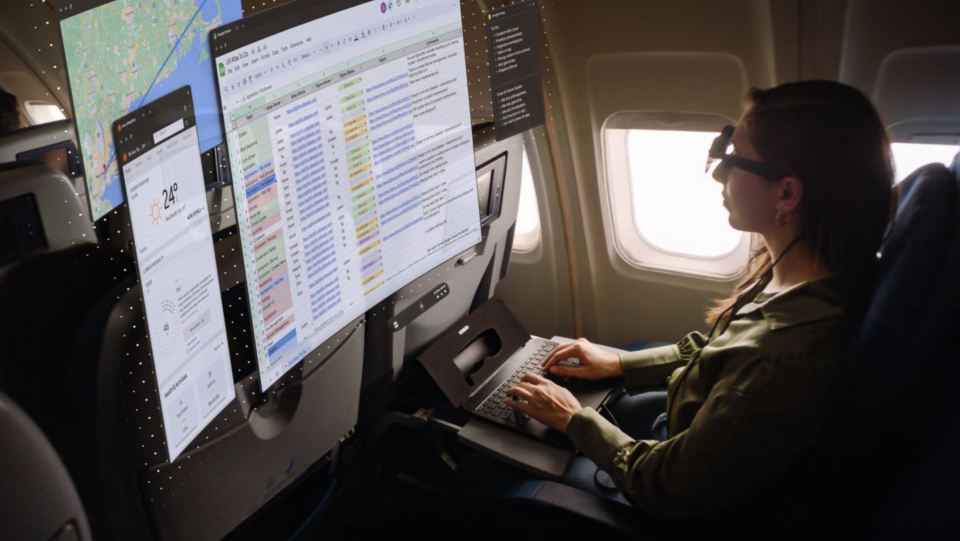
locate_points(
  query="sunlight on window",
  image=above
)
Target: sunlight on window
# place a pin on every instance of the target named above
(42, 113)
(908, 157)
(527, 234)
(677, 208)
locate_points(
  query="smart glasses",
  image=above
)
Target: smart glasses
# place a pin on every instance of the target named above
(718, 151)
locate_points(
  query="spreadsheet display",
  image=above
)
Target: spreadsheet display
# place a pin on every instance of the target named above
(353, 165)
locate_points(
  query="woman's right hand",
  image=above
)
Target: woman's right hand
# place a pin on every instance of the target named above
(595, 363)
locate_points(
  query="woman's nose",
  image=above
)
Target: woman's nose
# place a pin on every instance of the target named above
(721, 172)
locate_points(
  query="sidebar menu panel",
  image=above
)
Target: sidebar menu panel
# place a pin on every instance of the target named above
(516, 78)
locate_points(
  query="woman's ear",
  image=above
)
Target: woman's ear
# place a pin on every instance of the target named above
(790, 196)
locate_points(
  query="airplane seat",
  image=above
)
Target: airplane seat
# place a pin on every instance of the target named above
(257, 452)
(109, 511)
(915, 91)
(39, 209)
(52, 143)
(928, 483)
(25, 140)
(894, 381)
(40, 502)
(897, 370)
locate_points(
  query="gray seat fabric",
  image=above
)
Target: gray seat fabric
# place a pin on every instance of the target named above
(40, 502)
(61, 212)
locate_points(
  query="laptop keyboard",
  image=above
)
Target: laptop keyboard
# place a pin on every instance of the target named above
(494, 408)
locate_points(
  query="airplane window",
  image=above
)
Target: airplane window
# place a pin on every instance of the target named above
(677, 207)
(667, 213)
(42, 113)
(527, 235)
(908, 157)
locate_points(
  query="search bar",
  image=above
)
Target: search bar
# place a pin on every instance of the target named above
(168, 131)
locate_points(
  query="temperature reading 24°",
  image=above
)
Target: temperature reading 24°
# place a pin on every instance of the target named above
(170, 196)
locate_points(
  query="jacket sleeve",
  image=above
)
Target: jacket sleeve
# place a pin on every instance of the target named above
(648, 369)
(742, 438)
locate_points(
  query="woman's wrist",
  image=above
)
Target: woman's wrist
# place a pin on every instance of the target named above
(570, 414)
(616, 367)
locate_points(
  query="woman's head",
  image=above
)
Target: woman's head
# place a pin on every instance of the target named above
(753, 200)
(830, 139)
(9, 112)
(829, 136)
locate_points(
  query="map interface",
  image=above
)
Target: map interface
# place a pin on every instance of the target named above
(351, 150)
(122, 54)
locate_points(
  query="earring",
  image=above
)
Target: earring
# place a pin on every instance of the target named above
(781, 218)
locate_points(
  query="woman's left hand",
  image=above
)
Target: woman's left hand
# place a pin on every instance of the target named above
(546, 401)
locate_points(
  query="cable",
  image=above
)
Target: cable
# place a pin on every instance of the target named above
(609, 412)
(317, 512)
(741, 301)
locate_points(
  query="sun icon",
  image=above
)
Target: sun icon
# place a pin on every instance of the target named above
(155, 211)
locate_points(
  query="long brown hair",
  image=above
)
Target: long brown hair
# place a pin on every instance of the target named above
(831, 138)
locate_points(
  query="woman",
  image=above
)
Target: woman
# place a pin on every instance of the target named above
(810, 172)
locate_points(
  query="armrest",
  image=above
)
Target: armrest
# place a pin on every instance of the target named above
(587, 509)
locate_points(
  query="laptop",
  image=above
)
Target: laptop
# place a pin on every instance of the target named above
(487, 401)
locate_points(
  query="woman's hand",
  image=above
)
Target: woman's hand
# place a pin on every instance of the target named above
(546, 401)
(595, 363)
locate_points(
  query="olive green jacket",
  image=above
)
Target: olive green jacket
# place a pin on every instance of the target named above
(755, 399)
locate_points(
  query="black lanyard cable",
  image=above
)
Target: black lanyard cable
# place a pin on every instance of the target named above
(744, 299)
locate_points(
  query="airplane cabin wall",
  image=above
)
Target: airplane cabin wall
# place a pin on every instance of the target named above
(694, 56)
(906, 57)
(18, 79)
(538, 286)
(685, 56)
(29, 44)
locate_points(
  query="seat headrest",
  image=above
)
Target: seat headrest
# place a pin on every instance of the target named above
(916, 92)
(922, 227)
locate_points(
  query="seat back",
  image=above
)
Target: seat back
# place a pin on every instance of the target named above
(913, 257)
(29, 143)
(39, 208)
(893, 388)
(260, 446)
(928, 484)
(40, 502)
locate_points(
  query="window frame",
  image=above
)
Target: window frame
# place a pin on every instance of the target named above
(34, 120)
(629, 242)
